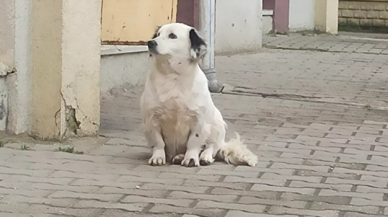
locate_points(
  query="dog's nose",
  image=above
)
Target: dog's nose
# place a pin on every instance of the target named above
(152, 44)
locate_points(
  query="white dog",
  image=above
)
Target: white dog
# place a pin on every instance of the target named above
(180, 120)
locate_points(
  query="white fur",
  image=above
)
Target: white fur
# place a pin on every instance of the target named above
(179, 117)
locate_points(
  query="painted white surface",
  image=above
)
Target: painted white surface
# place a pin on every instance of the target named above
(7, 35)
(267, 21)
(207, 28)
(302, 15)
(3, 104)
(7, 48)
(19, 83)
(15, 22)
(267, 12)
(238, 33)
(125, 69)
(326, 16)
(81, 61)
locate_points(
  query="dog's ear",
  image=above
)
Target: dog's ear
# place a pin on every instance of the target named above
(198, 45)
(156, 32)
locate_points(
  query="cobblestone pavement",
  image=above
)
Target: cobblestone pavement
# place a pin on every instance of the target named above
(360, 43)
(317, 120)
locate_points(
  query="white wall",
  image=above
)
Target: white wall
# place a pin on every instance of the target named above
(15, 80)
(19, 83)
(302, 15)
(3, 104)
(238, 25)
(7, 50)
(7, 36)
(126, 68)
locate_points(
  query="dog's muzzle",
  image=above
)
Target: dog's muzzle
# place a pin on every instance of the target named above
(152, 45)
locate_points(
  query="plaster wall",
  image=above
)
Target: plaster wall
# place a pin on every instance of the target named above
(302, 15)
(238, 33)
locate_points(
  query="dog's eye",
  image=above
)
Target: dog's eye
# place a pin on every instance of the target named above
(172, 36)
(158, 34)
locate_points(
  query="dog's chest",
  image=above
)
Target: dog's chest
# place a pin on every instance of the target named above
(175, 112)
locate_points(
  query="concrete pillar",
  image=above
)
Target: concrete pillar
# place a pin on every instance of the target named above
(326, 16)
(65, 68)
(19, 82)
(7, 42)
(207, 9)
(15, 74)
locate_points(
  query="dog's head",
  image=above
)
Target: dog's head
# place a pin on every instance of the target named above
(177, 40)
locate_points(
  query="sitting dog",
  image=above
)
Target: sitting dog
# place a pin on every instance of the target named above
(180, 120)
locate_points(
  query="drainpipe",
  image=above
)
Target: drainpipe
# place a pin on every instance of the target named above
(207, 10)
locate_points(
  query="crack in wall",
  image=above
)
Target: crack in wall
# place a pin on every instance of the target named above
(7, 72)
(3, 109)
(72, 124)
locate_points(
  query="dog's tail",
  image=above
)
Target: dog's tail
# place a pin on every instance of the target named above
(235, 152)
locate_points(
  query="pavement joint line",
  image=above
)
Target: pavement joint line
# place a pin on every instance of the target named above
(357, 105)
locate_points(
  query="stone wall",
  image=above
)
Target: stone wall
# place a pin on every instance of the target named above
(366, 13)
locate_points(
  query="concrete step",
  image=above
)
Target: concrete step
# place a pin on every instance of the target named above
(267, 21)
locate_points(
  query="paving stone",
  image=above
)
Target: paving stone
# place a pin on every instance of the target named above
(193, 189)
(87, 196)
(339, 187)
(303, 212)
(360, 209)
(356, 214)
(135, 191)
(245, 214)
(39, 209)
(169, 201)
(160, 208)
(255, 208)
(255, 200)
(192, 196)
(259, 187)
(340, 200)
(317, 121)
(90, 204)
(370, 196)
(120, 213)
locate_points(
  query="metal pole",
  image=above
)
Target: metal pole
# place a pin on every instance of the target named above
(207, 10)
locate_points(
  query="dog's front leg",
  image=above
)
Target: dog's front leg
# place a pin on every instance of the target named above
(155, 140)
(194, 145)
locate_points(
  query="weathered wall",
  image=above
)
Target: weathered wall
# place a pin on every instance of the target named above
(302, 15)
(81, 62)
(364, 13)
(326, 16)
(46, 68)
(238, 33)
(3, 104)
(65, 68)
(19, 83)
(123, 69)
(7, 36)
(15, 80)
(7, 50)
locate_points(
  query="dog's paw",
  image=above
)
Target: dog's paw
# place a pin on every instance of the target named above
(206, 158)
(157, 159)
(190, 162)
(178, 159)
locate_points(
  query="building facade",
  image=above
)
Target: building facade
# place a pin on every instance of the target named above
(58, 57)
